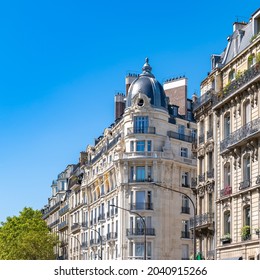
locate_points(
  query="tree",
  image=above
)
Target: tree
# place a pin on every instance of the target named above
(26, 237)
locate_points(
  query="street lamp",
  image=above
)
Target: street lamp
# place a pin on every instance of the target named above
(100, 237)
(63, 233)
(194, 214)
(143, 220)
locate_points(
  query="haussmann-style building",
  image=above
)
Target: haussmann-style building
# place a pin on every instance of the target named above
(125, 198)
(228, 142)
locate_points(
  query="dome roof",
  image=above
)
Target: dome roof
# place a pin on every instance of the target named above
(147, 84)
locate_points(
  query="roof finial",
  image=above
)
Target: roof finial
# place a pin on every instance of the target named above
(147, 68)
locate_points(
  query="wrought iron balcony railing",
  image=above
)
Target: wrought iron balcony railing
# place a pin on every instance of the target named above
(251, 74)
(141, 206)
(245, 184)
(111, 235)
(226, 191)
(140, 231)
(207, 97)
(180, 136)
(240, 134)
(143, 130)
(202, 220)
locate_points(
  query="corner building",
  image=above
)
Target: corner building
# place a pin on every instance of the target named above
(228, 120)
(117, 202)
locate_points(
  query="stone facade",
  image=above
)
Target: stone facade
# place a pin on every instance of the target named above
(116, 195)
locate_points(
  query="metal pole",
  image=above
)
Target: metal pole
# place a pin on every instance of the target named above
(100, 242)
(144, 223)
(77, 241)
(194, 215)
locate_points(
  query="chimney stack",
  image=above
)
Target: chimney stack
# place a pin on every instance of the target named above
(119, 105)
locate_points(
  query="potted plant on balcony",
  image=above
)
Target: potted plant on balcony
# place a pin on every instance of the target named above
(245, 232)
(226, 238)
(257, 231)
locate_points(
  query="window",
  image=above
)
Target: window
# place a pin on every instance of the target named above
(185, 251)
(251, 60)
(247, 112)
(226, 125)
(227, 220)
(141, 124)
(136, 250)
(227, 175)
(185, 208)
(246, 168)
(140, 173)
(184, 152)
(149, 146)
(140, 146)
(231, 75)
(185, 229)
(185, 179)
(141, 200)
(247, 216)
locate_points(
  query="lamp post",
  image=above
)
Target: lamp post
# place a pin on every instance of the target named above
(77, 241)
(194, 214)
(143, 220)
(100, 237)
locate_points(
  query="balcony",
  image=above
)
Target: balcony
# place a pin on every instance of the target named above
(250, 75)
(141, 206)
(101, 218)
(140, 180)
(203, 220)
(180, 136)
(111, 236)
(241, 135)
(63, 225)
(64, 210)
(140, 231)
(142, 130)
(75, 227)
(226, 191)
(202, 100)
(244, 185)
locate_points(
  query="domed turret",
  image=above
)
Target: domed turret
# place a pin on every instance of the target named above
(147, 84)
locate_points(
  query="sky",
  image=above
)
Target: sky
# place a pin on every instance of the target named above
(62, 62)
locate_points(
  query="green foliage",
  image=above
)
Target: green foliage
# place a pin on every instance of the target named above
(258, 57)
(26, 237)
(245, 232)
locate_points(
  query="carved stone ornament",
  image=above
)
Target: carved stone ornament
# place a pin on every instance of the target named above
(201, 191)
(201, 152)
(210, 187)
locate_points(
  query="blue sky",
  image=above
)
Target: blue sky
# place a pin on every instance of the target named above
(62, 62)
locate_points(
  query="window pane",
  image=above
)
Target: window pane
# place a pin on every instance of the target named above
(149, 146)
(140, 146)
(140, 173)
